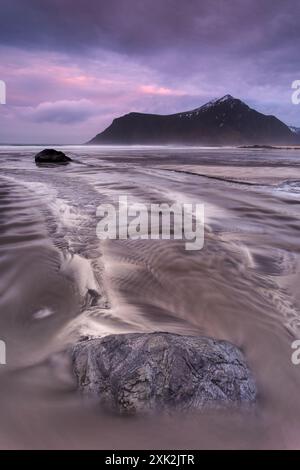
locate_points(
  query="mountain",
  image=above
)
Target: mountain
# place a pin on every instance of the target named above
(225, 121)
(295, 130)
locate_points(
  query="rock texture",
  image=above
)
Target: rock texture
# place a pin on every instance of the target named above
(225, 121)
(143, 372)
(51, 156)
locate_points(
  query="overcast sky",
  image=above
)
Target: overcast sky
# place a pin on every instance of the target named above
(71, 66)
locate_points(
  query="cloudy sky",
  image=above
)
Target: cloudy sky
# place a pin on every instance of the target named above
(71, 66)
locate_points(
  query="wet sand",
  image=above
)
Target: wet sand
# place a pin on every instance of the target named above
(59, 282)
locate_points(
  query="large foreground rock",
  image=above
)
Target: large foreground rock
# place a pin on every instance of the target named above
(51, 156)
(139, 372)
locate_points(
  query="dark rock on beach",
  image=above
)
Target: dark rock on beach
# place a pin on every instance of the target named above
(51, 156)
(144, 372)
(256, 146)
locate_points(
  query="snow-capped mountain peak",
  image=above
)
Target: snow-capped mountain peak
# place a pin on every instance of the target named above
(294, 129)
(223, 121)
(227, 99)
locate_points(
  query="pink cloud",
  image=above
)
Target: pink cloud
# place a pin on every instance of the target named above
(155, 90)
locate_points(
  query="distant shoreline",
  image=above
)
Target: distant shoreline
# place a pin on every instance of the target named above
(249, 147)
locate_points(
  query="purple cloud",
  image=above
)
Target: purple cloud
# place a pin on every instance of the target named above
(62, 112)
(108, 59)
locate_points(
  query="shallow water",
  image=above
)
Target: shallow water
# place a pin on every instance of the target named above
(59, 282)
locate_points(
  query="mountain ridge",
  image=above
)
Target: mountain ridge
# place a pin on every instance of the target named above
(223, 121)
